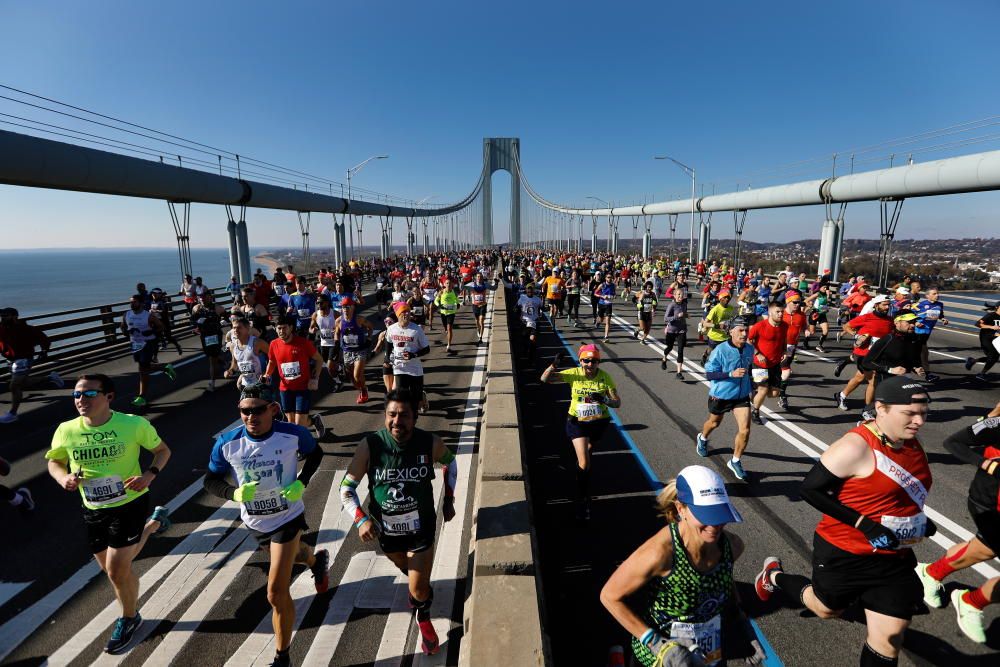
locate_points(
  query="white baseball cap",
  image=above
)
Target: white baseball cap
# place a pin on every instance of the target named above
(704, 493)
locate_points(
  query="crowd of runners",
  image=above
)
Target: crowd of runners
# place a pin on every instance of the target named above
(285, 333)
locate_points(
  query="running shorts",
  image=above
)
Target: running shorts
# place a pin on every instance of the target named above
(884, 584)
(787, 362)
(984, 506)
(860, 363)
(283, 534)
(479, 311)
(295, 400)
(116, 527)
(411, 383)
(447, 319)
(593, 430)
(773, 377)
(145, 356)
(420, 541)
(720, 406)
(646, 318)
(354, 356)
(604, 310)
(328, 352)
(816, 317)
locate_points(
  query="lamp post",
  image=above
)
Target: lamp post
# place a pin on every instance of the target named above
(350, 174)
(593, 218)
(690, 172)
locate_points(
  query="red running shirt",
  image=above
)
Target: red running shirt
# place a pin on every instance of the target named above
(292, 361)
(874, 325)
(795, 323)
(768, 340)
(884, 492)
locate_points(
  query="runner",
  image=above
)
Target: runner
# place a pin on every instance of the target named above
(573, 287)
(323, 325)
(206, 318)
(795, 320)
(302, 304)
(529, 307)
(20, 498)
(247, 351)
(896, 353)
(296, 362)
(353, 332)
(388, 379)
(595, 281)
(675, 330)
(645, 303)
(989, 335)
(977, 444)
(418, 309)
(18, 341)
(447, 302)
(159, 307)
(769, 338)
(407, 342)
(478, 291)
(819, 304)
(399, 463)
(97, 454)
(716, 322)
(866, 329)
(685, 571)
(555, 290)
(930, 313)
(870, 486)
(143, 329)
(604, 295)
(429, 288)
(256, 313)
(728, 370)
(592, 392)
(255, 465)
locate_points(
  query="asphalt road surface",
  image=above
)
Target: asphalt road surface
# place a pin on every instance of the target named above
(654, 439)
(203, 583)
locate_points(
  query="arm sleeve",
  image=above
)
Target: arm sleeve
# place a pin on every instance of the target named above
(312, 461)
(218, 485)
(959, 445)
(819, 489)
(450, 465)
(874, 356)
(349, 498)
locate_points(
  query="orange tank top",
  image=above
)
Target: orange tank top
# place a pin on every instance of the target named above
(897, 487)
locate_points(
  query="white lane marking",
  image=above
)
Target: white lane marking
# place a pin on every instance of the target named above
(199, 542)
(185, 362)
(397, 625)
(379, 587)
(9, 589)
(235, 424)
(182, 632)
(258, 647)
(324, 646)
(21, 626)
(183, 581)
(941, 520)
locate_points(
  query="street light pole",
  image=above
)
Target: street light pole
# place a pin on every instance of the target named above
(350, 174)
(690, 172)
(593, 238)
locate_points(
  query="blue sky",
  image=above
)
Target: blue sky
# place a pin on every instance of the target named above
(593, 89)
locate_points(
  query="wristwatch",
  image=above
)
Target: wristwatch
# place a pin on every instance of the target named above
(153, 469)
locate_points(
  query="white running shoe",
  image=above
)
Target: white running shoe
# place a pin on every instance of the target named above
(970, 619)
(933, 590)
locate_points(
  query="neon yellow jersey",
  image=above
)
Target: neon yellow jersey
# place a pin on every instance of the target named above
(716, 316)
(580, 386)
(104, 456)
(447, 302)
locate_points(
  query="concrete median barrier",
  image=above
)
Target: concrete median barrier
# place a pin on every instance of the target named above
(502, 618)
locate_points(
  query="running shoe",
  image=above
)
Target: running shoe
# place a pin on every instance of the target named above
(680, 376)
(663, 363)
(55, 379)
(27, 504)
(982, 377)
(605, 340)
(701, 445)
(969, 363)
(841, 365)
(931, 377)
(282, 660)
(211, 385)
(841, 401)
(8, 418)
(161, 514)
(321, 571)
(317, 422)
(635, 334)
(179, 350)
(121, 635)
(755, 416)
(970, 619)
(451, 352)
(169, 371)
(867, 415)
(583, 511)
(783, 401)
(840, 335)
(139, 402)
(762, 582)
(737, 468)
(933, 590)
(428, 638)
(821, 349)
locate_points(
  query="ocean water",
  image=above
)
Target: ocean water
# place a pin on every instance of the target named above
(44, 281)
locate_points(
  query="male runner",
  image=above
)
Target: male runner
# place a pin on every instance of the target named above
(18, 341)
(604, 294)
(866, 329)
(478, 291)
(206, 318)
(870, 485)
(728, 371)
(716, 320)
(769, 338)
(555, 289)
(399, 463)
(143, 330)
(930, 313)
(529, 307)
(795, 320)
(297, 363)
(447, 303)
(97, 454)
(255, 465)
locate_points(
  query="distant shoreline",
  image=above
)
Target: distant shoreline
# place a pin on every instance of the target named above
(269, 262)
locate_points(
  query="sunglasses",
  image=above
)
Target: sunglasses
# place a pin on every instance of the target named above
(256, 410)
(88, 393)
(588, 361)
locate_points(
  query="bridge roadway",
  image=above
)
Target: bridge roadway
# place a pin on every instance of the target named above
(215, 617)
(655, 439)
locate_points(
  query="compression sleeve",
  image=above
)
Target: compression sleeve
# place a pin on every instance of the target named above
(819, 489)
(349, 498)
(957, 445)
(312, 462)
(450, 464)
(874, 355)
(218, 485)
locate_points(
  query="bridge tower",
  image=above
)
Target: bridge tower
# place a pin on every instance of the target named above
(502, 153)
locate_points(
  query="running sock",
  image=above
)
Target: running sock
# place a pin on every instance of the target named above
(942, 567)
(282, 657)
(423, 607)
(822, 339)
(872, 658)
(736, 459)
(583, 484)
(784, 387)
(976, 598)
(11, 496)
(793, 584)
(988, 366)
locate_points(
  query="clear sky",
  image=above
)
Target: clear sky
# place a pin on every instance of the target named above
(593, 89)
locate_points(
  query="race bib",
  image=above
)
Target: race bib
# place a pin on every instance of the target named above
(246, 367)
(211, 340)
(137, 346)
(103, 490)
(418, 311)
(22, 365)
(326, 334)
(932, 314)
(291, 370)
(401, 524)
(588, 411)
(478, 298)
(304, 312)
(531, 324)
(266, 502)
(909, 529)
(351, 340)
(707, 636)
(647, 307)
(759, 375)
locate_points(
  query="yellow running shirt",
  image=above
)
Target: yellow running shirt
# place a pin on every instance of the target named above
(580, 387)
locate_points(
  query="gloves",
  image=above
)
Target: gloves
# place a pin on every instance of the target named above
(669, 653)
(878, 535)
(293, 492)
(931, 528)
(558, 359)
(597, 398)
(245, 492)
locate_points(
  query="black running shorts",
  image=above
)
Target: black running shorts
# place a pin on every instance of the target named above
(116, 527)
(720, 406)
(413, 543)
(284, 533)
(882, 583)
(983, 506)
